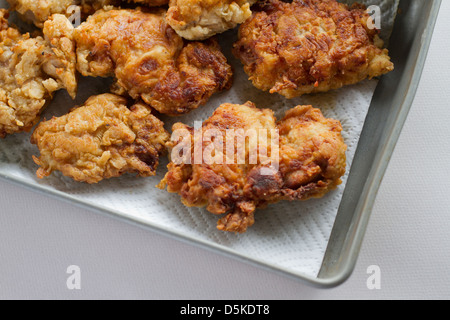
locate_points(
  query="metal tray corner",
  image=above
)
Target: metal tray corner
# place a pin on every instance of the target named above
(388, 111)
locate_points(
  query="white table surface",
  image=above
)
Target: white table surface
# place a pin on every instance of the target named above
(407, 237)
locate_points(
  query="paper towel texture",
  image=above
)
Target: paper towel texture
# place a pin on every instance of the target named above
(292, 236)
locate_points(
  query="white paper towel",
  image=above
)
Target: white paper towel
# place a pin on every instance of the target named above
(292, 236)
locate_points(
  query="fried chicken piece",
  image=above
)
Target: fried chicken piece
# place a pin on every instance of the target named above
(309, 46)
(201, 19)
(58, 32)
(101, 140)
(150, 61)
(302, 156)
(39, 11)
(31, 70)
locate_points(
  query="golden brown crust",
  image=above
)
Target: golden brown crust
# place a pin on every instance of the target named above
(312, 153)
(39, 11)
(201, 19)
(150, 61)
(31, 70)
(309, 46)
(58, 31)
(311, 162)
(101, 140)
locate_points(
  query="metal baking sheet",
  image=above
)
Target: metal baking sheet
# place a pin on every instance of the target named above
(388, 110)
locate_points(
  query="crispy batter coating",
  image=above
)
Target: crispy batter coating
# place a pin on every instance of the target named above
(150, 61)
(308, 148)
(31, 70)
(59, 33)
(100, 140)
(201, 19)
(39, 11)
(309, 46)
